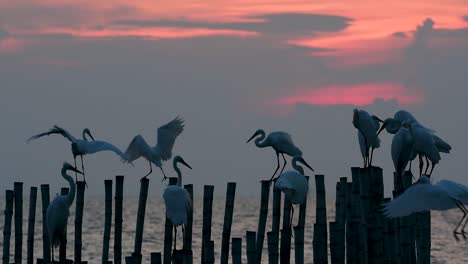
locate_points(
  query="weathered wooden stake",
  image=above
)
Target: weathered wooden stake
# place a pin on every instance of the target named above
(168, 227)
(209, 254)
(9, 196)
(188, 230)
(236, 250)
(285, 247)
(275, 226)
(364, 193)
(107, 220)
(352, 218)
(272, 247)
(424, 248)
(299, 244)
(18, 189)
(144, 184)
(334, 254)
(156, 258)
(374, 217)
(228, 212)
(250, 237)
(63, 244)
(80, 190)
(31, 224)
(119, 181)
(45, 196)
(262, 219)
(340, 220)
(320, 241)
(207, 212)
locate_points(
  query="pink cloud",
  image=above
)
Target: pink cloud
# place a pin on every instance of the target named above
(357, 94)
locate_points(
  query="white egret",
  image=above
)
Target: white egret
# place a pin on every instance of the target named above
(280, 141)
(402, 151)
(58, 211)
(367, 127)
(294, 184)
(425, 196)
(80, 147)
(177, 200)
(424, 145)
(167, 135)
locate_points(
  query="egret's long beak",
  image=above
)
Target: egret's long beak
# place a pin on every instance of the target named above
(252, 137)
(378, 119)
(306, 164)
(382, 127)
(185, 163)
(91, 136)
(76, 170)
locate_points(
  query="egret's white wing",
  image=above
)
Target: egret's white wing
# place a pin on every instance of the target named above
(57, 217)
(419, 197)
(457, 191)
(402, 149)
(424, 143)
(137, 148)
(167, 135)
(178, 204)
(295, 183)
(362, 144)
(98, 145)
(441, 145)
(284, 142)
(54, 130)
(364, 122)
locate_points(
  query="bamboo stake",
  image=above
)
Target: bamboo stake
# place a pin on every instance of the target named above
(320, 244)
(285, 247)
(31, 224)
(272, 247)
(299, 244)
(228, 212)
(107, 220)
(80, 187)
(18, 189)
(188, 230)
(119, 181)
(45, 195)
(265, 195)
(63, 244)
(156, 258)
(9, 197)
(207, 212)
(209, 254)
(168, 232)
(144, 184)
(251, 247)
(236, 250)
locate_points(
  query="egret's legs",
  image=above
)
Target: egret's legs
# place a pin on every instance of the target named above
(427, 167)
(466, 221)
(432, 168)
(163, 174)
(462, 208)
(82, 170)
(371, 156)
(151, 170)
(76, 173)
(277, 166)
(284, 164)
(175, 238)
(421, 164)
(52, 247)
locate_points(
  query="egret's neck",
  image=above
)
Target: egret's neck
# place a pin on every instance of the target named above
(297, 167)
(71, 194)
(258, 140)
(179, 175)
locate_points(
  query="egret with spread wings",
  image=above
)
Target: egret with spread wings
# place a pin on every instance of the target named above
(83, 146)
(167, 135)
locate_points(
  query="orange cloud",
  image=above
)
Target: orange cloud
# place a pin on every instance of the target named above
(358, 95)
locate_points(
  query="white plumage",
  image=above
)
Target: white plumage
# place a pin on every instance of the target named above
(425, 196)
(402, 150)
(367, 127)
(162, 151)
(58, 211)
(81, 147)
(177, 200)
(280, 141)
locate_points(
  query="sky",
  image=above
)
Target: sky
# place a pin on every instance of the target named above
(228, 68)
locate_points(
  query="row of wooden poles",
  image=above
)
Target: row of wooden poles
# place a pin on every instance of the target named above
(360, 234)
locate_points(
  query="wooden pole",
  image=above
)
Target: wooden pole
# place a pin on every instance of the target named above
(45, 196)
(320, 241)
(144, 184)
(374, 218)
(63, 244)
(80, 190)
(388, 238)
(236, 250)
(209, 254)
(31, 224)
(299, 244)
(364, 193)
(340, 219)
(275, 226)
(168, 232)
(424, 247)
(352, 222)
(207, 212)
(285, 247)
(334, 254)
(156, 258)
(272, 247)
(250, 237)
(178, 256)
(107, 220)
(188, 229)
(228, 212)
(9, 197)
(119, 181)
(18, 189)
(262, 219)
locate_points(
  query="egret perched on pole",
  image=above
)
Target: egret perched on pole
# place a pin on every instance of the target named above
(80, 147)
(402, 151)
(177, 200)
(425, 196)
(294, 184)
(281, 142)
(367, 127)
(58, 211)
(167, 135)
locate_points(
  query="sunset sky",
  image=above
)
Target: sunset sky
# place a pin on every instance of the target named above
(228, 68)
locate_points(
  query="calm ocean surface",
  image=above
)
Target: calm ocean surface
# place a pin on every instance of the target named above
(445, 249)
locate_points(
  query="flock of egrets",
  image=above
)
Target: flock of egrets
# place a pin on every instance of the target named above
(411, 139)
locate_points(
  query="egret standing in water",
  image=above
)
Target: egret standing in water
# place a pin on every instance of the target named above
(425, 196)
(281, 142)
(294, 184)
(58, 211)
(177, 200)
(167, 135)
(80, 147)
(367, 127)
